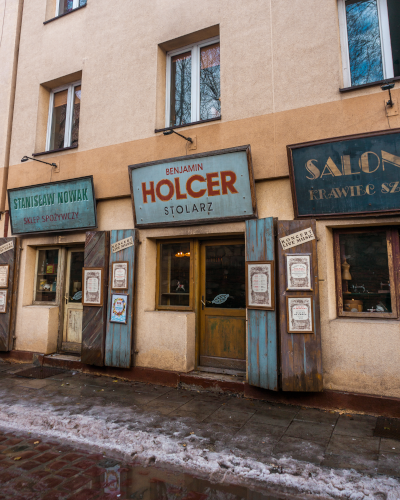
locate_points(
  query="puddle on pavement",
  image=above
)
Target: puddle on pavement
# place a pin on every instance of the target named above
(153, 483)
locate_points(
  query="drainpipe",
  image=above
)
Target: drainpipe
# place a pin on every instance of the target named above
(3, 197)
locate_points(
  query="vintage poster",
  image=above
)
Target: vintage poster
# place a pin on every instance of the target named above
(300, 314)
(3, 301)
(120, 275)
(92, 286)
(298, 272)
(119, 308)
(260, 285)
(4, 271)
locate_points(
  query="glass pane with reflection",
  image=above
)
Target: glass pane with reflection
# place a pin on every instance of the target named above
(210, 85)
(46, 278)
(394, 22)
(175, 274)
(58, 120)
(75, 277)
(364, 41)
(75, 116)
(65, 6)
(181, 89)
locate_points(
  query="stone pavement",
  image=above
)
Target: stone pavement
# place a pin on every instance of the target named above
(253, 428)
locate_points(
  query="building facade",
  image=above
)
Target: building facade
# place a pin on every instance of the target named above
(262, 89)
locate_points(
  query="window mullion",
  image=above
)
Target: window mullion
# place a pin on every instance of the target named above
(50, 121)
(168, 94)
(386, 45)
(68, 117)
(195, 84)
(75, 4)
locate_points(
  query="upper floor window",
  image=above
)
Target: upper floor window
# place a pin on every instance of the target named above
(370, 37)
(64, 6)
(193, 83)
(63, 121)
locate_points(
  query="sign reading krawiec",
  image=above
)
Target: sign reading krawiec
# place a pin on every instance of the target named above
(346, 175)
(194, 189)
(56, 206)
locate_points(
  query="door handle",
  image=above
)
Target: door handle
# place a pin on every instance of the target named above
(202, 303)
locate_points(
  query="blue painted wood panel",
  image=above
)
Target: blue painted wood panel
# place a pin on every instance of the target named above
(261, 325)
(119, 336)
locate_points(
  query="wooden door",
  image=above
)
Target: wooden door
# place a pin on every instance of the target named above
(223, 305)
(73, 309)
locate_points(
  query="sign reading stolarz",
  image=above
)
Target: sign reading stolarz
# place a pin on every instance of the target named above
(196, 189)
(56, 206)
(346, 176)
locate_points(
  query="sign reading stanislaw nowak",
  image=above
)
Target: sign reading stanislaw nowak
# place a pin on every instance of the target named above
(360, 174)
(57, 206)
(194, 189)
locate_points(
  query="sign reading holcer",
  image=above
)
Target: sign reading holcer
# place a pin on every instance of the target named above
(352, 175)
(56, 206)
(194, 189)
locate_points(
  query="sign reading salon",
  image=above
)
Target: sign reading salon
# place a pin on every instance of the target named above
(344, 176)
(194, 189)
(56, 206)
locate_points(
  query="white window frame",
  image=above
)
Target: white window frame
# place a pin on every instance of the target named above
(75, 5)
(194, 49)
(68, 116)
(386, 46)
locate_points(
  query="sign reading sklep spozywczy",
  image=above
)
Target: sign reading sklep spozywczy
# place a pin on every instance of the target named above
(194, 189)
(56, 206)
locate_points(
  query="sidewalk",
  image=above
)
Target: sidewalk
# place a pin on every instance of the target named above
(219, 435)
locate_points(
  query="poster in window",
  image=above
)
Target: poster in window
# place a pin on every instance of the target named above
(300, 314)
(260, 285)
(119, 308)
(120, 275)
(92, 278)
(4, 272)
(298, 271)
(3, 301)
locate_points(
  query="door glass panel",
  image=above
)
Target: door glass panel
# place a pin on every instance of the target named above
(365, 273)
(175, 274)
(46, 279)
(75, 277)
(225, 276)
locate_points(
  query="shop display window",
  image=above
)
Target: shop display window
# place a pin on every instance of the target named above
(174, 287)
(47, 275)
(365, 276)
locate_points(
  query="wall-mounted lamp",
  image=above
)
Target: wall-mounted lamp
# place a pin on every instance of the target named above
(26, 158)
(171, 131)
(389, 87)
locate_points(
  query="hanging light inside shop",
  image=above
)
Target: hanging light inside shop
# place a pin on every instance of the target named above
(181, 254)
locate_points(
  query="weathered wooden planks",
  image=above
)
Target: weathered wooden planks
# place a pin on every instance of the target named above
(301, 357)
(119, 336)
(261, 325)
(97, 248)
(8, 257)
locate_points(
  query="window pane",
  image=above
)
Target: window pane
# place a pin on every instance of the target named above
(65, 6)
(365, 272)
(58, 120)
(181, 89)
(210, 87)
(364, 41)
(82, 2)
(46, 279)
(394, 21)
(75, 277)
(75, 116)
(225, 276)
(175, 274)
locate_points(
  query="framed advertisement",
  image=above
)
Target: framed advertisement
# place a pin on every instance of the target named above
(298, 271)
(119, 275)
(4, 273)
(119, 308)
(260, 284)
(3, 301)
(300, 314)
(92, 286)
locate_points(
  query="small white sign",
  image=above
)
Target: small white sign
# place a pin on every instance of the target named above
(6, 247)
(122, 244)
(295, 239)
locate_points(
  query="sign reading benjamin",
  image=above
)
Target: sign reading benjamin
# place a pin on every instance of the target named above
(194, 189)
(346, 175)
(56, 206)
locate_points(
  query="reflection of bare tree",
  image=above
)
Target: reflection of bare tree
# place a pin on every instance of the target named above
(210, 84)
(181, 88)
(364, 41)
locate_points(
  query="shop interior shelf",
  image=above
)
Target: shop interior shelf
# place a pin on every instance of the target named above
(358, 294)
(47, 274)
(45, 291)
(166, 293)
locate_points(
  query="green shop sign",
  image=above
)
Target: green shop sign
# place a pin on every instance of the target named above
(56, 206)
